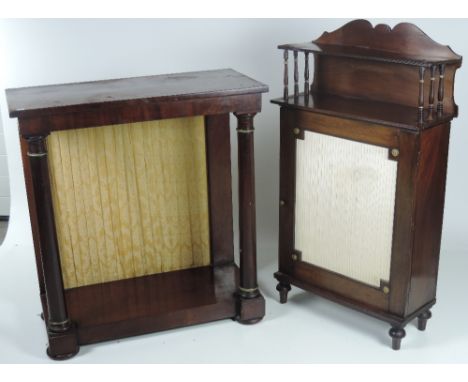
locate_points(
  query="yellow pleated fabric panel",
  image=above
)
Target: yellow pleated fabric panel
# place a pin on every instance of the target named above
(130, 200)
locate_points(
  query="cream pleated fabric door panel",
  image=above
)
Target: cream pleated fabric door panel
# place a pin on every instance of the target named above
(130, 200)
(345, 198)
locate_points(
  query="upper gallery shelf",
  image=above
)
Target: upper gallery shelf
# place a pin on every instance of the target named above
(399, 67)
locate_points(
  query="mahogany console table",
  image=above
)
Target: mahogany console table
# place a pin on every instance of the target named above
(129, 191)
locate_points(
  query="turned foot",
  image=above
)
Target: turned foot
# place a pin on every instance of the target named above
(397, 334)
(283, 290)
(61, 357)
(422, 319)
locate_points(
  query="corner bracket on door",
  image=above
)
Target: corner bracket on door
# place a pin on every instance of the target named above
(393, 153)
(384, 286)
(298, 133)
(296, 255)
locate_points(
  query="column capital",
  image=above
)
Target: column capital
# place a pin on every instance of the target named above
(36, 146)
(245, 122)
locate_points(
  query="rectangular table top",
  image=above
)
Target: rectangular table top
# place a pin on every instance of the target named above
(72, 97)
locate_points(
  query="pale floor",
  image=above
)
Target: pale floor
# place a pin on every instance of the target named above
(307, 329)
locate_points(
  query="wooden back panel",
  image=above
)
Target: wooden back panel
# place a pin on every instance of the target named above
(379, 81)
(404, 39)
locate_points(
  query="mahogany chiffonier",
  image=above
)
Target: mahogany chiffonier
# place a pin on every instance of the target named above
(363, 167)
(129, 191)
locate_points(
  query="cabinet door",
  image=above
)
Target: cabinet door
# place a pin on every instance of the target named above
(345, 200)
(340, 230)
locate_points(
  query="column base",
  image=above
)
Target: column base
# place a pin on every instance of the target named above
(250, 310)
(63, 346)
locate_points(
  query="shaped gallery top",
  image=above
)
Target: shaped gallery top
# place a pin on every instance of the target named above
(404, 44)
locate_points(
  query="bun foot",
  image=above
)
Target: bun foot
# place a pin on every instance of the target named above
(422, 319)
(397, 334)
(62, 357)
(283, 290)
(249, 322)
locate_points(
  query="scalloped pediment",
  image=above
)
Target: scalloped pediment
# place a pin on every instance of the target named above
(404, 39)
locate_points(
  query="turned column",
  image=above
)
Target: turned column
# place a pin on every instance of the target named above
(58, 320)
(248, 287)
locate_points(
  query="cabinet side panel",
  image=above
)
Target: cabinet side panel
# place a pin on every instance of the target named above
(430, 195)
(403, 235)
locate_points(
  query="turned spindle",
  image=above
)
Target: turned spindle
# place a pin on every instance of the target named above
(306, 77)
(431, 93)
(296, 77)
(421, 94)
(432, 89)
(440, 104)
(285, 76)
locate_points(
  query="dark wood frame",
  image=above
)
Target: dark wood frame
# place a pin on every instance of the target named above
(349, 105)
(99, 312)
